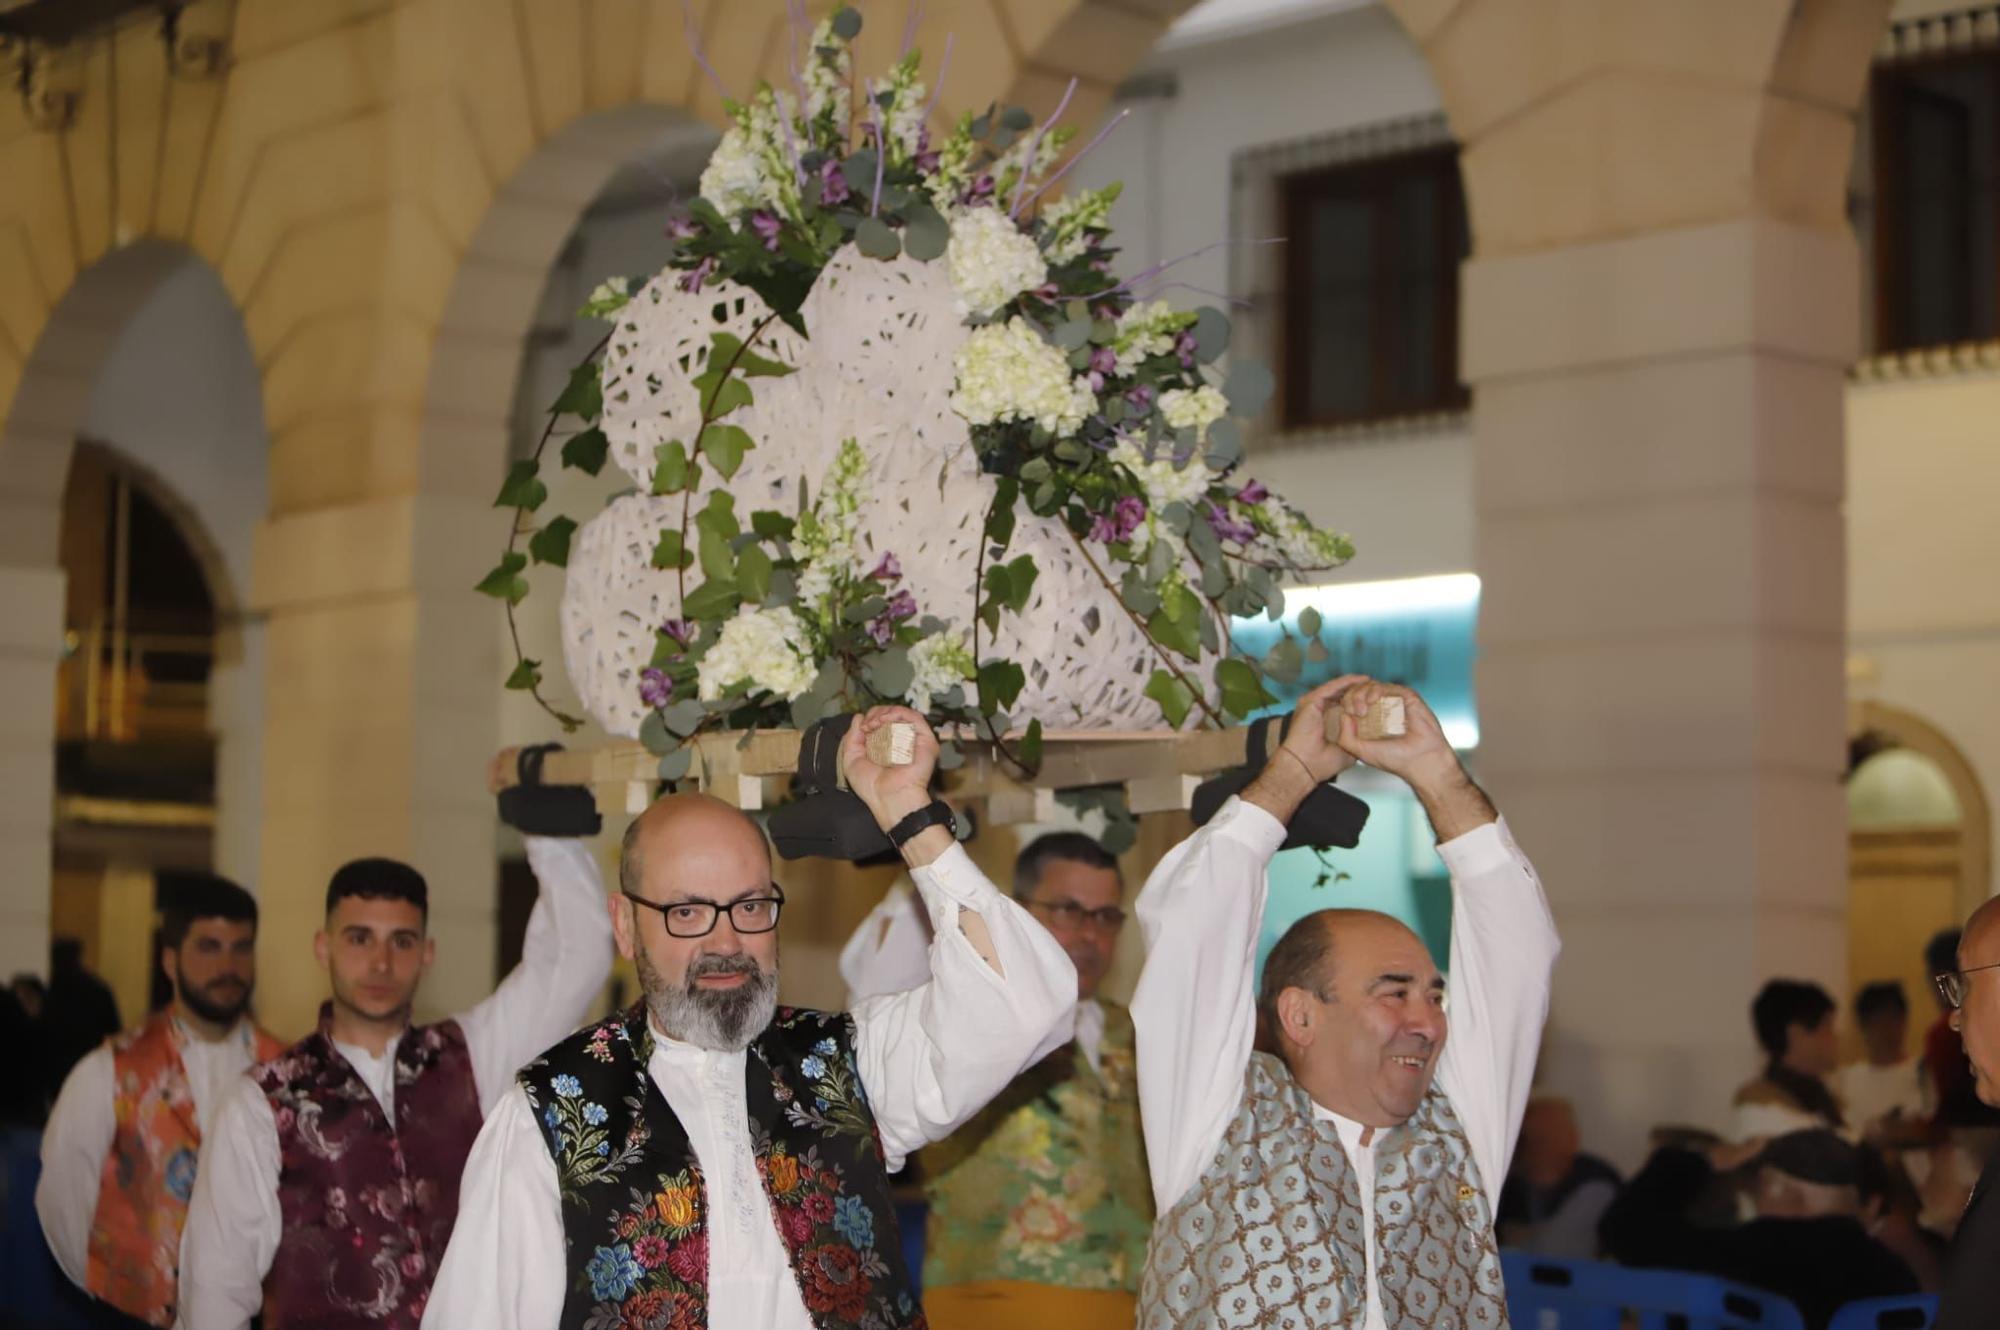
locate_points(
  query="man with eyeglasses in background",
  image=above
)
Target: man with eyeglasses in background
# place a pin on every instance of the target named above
(711, 1158)
(1972, 991)
(1040, 1206)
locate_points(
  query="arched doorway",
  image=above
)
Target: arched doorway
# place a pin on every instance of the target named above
(1919, 846)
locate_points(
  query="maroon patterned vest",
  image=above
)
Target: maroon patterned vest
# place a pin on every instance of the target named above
(368, 1207)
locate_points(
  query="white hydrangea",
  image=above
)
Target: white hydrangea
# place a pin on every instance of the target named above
(941, 661)
(755, 164)
(1304, 546)
(1194, 409)
(763, 648)
(991, 261)
(1162, 481)
(1146, 330)
(733, 180)
(1006, 371)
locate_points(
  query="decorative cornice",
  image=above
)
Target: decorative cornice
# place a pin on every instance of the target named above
(1963, 360)
(1968, 29)
(1385, 138)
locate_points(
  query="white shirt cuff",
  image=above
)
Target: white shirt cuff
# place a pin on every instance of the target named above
(1250, 826)
(1481, 850)
(953, 876)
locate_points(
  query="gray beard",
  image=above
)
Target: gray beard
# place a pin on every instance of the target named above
(722, 1020)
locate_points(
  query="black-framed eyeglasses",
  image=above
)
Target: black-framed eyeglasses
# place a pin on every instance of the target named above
(696, 918)
(1107, 917)
(1951, 985)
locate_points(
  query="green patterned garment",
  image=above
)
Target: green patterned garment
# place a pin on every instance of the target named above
(1048, 1184)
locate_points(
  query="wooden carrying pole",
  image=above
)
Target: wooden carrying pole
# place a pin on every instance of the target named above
(1160, 768)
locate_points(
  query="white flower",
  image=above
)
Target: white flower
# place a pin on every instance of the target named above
(733, 180)
(1007, 372)
(942, 661)
(1163, 482)
(1146, 330)
(1302, 545)
(991, 261)
(1065, 222)
(828, 82)
(954, 168)
(763, 648)
(1194, 409)
(755, 164)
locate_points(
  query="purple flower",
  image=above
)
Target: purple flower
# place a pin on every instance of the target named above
(1226, 527)
(1103, 360)
(1184, 347)
(882, 627)
(767, 226)
(655, 689)
(691, 281)
(1120, 522)
(683, 228)
(1140, 399)
(889, 570)
(927, 162)
(681, 630)
(832, 184)
(1100, 265)
(982, 185)
(1253, 493)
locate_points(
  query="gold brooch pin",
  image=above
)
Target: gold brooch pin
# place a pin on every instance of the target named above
(1466, 1191)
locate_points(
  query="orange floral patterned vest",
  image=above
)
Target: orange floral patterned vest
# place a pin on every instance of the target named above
(142, 1198)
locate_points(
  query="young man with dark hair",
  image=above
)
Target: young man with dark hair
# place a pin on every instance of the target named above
(1796, 1026)
(119, 1153)
(1882, 1093)
(330, 1188)
(1003, 1247)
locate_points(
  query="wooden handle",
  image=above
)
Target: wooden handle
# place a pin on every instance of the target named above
(1385, 720)
(894, 745)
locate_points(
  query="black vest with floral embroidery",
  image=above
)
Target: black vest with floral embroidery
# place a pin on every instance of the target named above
(635, 1211)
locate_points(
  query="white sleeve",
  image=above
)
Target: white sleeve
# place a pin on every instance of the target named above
(1194, 1010)
(1503, 948)
(233, 1219)
(74, 1146)
(891, 951)
(565, 958)
(933, 1056)
(505, 1266)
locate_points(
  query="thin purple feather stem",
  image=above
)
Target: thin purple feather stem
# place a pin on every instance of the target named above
(1063, 170)
(913, 14)
(1035, 148)
(1149, 273)
(937, 90)
(881, 149)
(1238, 301)
(701, 57)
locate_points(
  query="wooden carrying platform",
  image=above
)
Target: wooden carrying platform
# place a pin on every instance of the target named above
(1158, 768)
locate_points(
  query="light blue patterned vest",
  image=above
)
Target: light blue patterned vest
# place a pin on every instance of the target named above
(1271, 1235)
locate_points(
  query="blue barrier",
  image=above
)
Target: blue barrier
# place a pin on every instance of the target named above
(1548, 1294)
(1917, 1312)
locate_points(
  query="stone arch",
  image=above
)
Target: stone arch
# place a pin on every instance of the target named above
(1906, 729)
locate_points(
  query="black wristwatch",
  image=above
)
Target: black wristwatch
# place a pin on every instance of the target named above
(936, 813)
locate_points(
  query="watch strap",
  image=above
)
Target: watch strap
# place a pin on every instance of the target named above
(936, 813)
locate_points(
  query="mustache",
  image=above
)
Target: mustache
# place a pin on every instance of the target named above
(703, 966)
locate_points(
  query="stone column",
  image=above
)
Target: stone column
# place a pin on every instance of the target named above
(1658, 317)
(31, 628)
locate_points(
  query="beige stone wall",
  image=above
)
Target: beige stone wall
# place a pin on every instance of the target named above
(339, 172)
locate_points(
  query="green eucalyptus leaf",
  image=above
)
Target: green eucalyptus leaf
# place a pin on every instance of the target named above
(1317, 653)
(1248, 388)
(653, 734)
(1072, 335)
(711, 600)
(1016, 118)
(1211, 333)
(1225, 445)
(1175, 698)
(676, 764)
(551, 544)
(1285, 661)
(890, 673)
(846, 23)
(950, 756)
(586, 450)
(925, 232)
(859, 171)
(1309, 622)
(876, 240)
(522, 489)
(683, 717)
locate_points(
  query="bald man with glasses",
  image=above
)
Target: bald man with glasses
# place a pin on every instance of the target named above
(712, 1158)
(1040, 1206)
(1972, 991)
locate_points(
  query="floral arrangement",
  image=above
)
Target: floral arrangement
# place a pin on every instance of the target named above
(1088, 405)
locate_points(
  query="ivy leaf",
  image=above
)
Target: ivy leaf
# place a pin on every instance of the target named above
(720, 395)
(875, 240)
(725, 445)
(527, 676)
(1175, 698)
(522, 489)
(1030, 751)
(720, 513)
(583, 396)
(551, 543)
(772, 526)
(586, 450)
(1000, 683)
(505, 581)
(1000, 521)
(711, 600)
(670, 552)
(670, 467)
(717, 563)
(1182, 635)
(753, 573)
(727, 349)
(1021, 574)
(890, 673)
(925, 232)
(1248, 388)
(1242, 691)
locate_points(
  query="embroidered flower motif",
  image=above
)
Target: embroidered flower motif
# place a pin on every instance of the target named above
(612, 1272)
(796, 1225)
(594, 1114)
(679, 1207)
(854, 1221)
(688, 1259)
(818, 1207)
(813, 1067)
(567, 1086)
(782, 1170)
(650, 1251)
(824, 1048)
(834, 1282)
